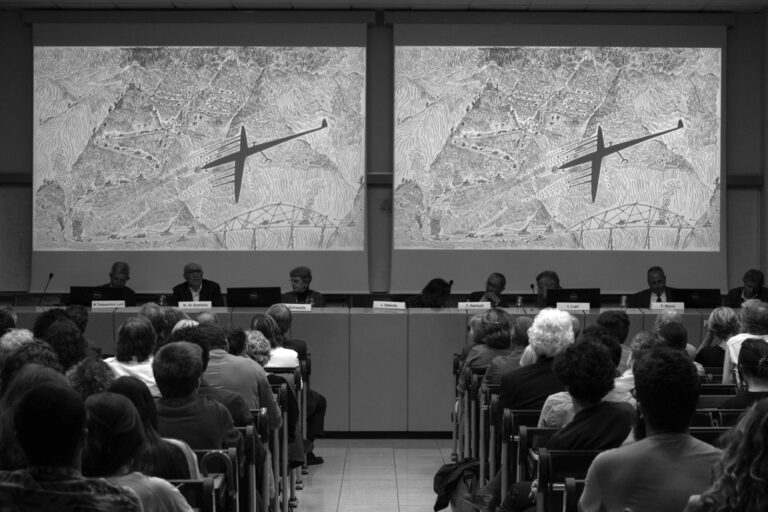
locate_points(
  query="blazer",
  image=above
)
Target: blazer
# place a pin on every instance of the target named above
(209, 290)
(642, 299)
(734, 300)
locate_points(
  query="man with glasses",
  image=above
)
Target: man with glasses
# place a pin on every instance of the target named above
(118, 276)
(494, 286)
(196, 289)
(300, 293)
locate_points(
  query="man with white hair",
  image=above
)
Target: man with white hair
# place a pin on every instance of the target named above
(529, 386)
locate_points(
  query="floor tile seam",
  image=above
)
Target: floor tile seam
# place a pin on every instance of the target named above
(341, 487)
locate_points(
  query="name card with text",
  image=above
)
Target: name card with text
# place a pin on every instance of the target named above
(108, 304)
(668, 305)
(300, 307)
(573, 306)
(201, 304)
(383, 304)
(475, 305)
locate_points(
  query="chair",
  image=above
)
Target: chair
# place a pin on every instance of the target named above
(223, 466)
(712, 401)
(249, 498)
(718, 389)
(529, 439)
(710, 435)
(512, 419)
(200, 493)
(554, 467)
(278, 446)
(189, 454)
(574, 488)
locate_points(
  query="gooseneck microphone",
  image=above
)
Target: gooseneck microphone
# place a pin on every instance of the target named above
(50, 278)
(533, 288)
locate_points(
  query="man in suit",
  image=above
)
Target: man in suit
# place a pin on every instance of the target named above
(195, 288)
(494, 286)
(657, 291)
(119, 274)
(753, 289)
(301, 277)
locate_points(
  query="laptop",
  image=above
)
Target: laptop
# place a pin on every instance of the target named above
(253, 297)
(84, 295)
(591, 295)
(698, 297)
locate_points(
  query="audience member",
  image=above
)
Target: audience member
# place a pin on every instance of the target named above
(435, 294)
(301, 278)
(159, 457)
(617, 323)
(494, 287)
(207, 318)
(36, 351)
(6, 322)
(135, 344)
(184, 323)
(68, 342)
(492, 335)
(115, 439)
(672, 316)
(529, 386)
(500, 365)
(666, 465)
(546, 280)
(45, 319)
(12, 312)
(90, 376)
(675, 335)
(279, 357)
(11, 340)
(52, 480)
(754, 324)
(200, 422)
(723, 323)
(753, 288)
(753, 374)
(196, 289)
(119, 274)
(284, 319)
(236, 339)
(258, 347)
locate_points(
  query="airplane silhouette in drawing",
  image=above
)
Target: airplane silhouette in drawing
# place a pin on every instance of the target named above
(239, 157)
(596, 157)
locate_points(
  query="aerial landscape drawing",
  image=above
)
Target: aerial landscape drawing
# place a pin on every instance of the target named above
(199, 148)
(598, 148)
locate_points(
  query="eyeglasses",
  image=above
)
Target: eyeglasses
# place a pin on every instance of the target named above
(195, 271)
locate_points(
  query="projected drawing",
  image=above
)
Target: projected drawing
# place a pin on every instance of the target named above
(179, 148)
(557, 148)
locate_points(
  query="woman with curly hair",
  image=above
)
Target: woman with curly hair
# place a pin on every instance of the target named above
(741, 473)
(491, 331)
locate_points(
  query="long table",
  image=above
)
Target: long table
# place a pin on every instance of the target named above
(381, 370)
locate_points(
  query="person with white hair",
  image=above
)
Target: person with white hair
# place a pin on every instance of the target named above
(529, 386)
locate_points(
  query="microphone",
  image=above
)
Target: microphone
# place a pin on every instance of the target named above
(533, 288)
(40, 301)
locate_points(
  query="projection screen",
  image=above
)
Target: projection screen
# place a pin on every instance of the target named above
(238, 146)
(594, 151)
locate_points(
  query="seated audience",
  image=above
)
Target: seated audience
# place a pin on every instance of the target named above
(68, 342)
(135, 344)
(196, 289)
(492, 335)
(119, 274)
(154, 313)
(675, 336)
(723, 323)
(666, 465)
(52, 480)
(207, 318)
(753, 374)
(159, 457)
(546, 280)
(616, 322)
(36, 351)
(236, 339)
(6, 322)
(301, 278)
(90, 376)
(284, 318)
(200, 422)
(13, 339)
(753, 281)
(45, 319)
(741, 473)
(114, 441)
(279, 357)
(435, 294)
(529, 386)
(500, 365)
(754, 324)
(494, 287)
(657, 291)
(670, 316)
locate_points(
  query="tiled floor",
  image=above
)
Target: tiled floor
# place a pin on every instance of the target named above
(382, 475)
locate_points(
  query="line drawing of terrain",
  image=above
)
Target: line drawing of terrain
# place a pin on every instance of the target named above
(122, 136)
(481, 134)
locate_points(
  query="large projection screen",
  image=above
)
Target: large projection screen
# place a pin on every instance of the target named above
(594, 151)
(240, 146)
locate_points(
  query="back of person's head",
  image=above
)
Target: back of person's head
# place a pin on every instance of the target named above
(674, 335)
(236, 339)
(603, 336)
(753, 359)
(44, 321)
(171, 318)
(550, 332)
(520, 326)
(741, 472)
(29, 376)
(258, 347)
(78, 314)
(436, 293)
(667, 388)
(667, 316)
(154, 313)
(207, 337)
(135, 340)
(90, 376)
(68, 342)
(6, 322)
(642, 342)
(11, 340)
(494, 329)
(10, 311)
(115, 434)
(207, 318)
(36, 351)
(754, 317)
(177, 367)
(282, 316)
(50, 421)
(617, 323)
(586, 370)
(267, 326)
(575, 325)
(724, 322)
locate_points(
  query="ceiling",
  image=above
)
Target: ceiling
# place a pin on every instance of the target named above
(738, 6)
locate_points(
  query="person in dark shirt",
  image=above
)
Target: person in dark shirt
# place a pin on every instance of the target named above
(753, 288)
(494, 287)
(119, 274)
(753, 370)
(301, 278)
(196, 289)
(722, 324)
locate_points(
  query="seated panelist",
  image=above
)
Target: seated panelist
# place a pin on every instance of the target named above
(546, 280)
(657, 291)
(753, 288)
(118, 276)
(494, 287)
(301, 277)
(196, 289)
(435, 294)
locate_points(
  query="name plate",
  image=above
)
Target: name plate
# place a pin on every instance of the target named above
(107, 304)
(668, 305)
(300, 307)
(573, 306)
(475, 305)
(202, 304)
(383, 304)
